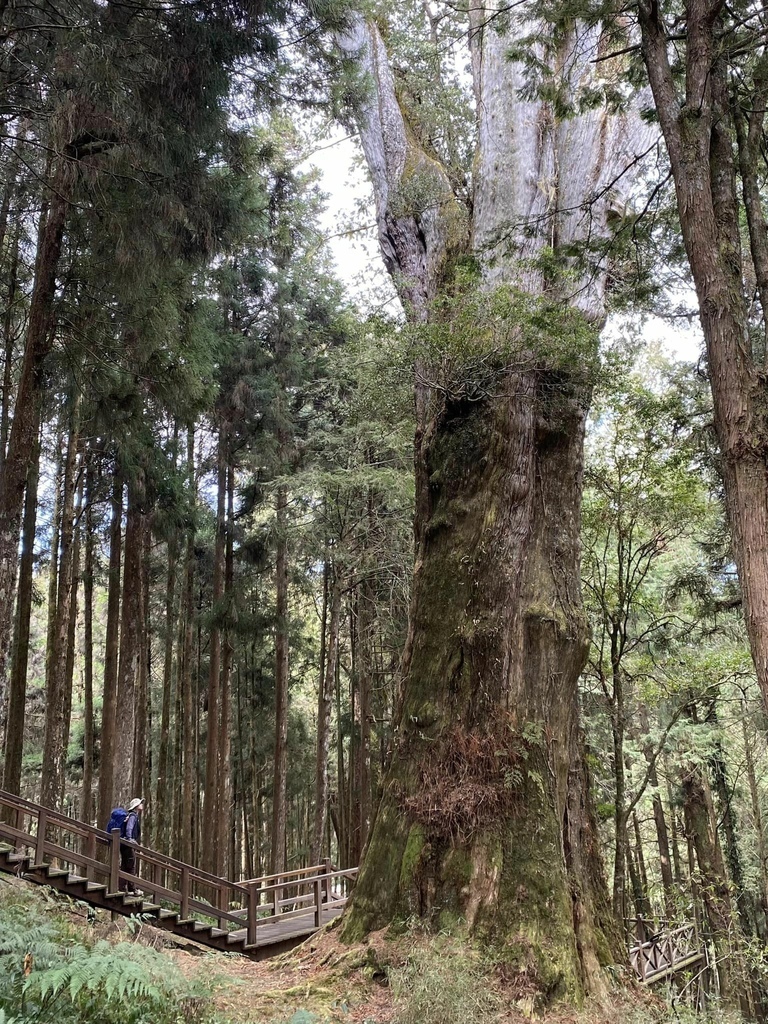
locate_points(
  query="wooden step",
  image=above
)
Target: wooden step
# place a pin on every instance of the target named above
(165, 915)
(95, 887)
(151, 908)
(77, 880)
(57, 872)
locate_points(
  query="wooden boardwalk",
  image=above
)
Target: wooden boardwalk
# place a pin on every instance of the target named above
(259, 917)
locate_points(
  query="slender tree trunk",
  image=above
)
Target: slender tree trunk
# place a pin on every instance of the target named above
(141, 759)
(338, 805)
(728, 826)
(699, 129)
(60, 593)
(213, 753)
(715, 890)
(10, 344)
(130, 648)
(620, 815)
(279, 805)
(324, 706)
(89, 809)
(226, 805)
(166, 780)
(188, 792)
(642, 873)
(26, 419)
(14, 725)
(71, 641)
(111, 648)
(365, 680)
(757, 814)
(660, 822)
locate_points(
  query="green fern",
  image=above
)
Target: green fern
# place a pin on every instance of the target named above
(49, 976)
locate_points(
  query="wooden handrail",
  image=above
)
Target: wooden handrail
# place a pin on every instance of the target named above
(316, 878)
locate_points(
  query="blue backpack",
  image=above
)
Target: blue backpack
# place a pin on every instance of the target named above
(117, 819)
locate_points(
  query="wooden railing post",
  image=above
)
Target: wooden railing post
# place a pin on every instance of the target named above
(327, 873)
(19, 822)
(42, 825)
(184, 893)
(318, 887)
(223, 900)
(90, 853)
(253, 913)
(114, 861)
(276, 898)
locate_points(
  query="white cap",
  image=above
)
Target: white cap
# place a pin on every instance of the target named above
(136, 802)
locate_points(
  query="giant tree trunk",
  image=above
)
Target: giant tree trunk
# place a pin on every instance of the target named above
(485, 821)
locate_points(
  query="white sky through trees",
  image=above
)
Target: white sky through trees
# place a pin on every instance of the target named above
(349, 222)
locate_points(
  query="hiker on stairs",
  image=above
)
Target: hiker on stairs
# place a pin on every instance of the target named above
(131, 833)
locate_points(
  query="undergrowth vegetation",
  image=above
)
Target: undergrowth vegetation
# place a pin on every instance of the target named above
(50, 972)
(438, 984)
(54, 971)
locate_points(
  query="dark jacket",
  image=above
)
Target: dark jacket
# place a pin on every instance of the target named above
(133, 828)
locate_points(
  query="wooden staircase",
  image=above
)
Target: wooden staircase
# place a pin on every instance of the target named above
(259, 917)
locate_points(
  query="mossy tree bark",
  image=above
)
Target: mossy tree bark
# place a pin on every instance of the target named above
(485, 822)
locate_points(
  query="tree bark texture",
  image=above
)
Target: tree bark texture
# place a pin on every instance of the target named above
(698, 127)
(484, 818)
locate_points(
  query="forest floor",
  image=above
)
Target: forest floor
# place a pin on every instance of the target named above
(326, 982)
(332, 982)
